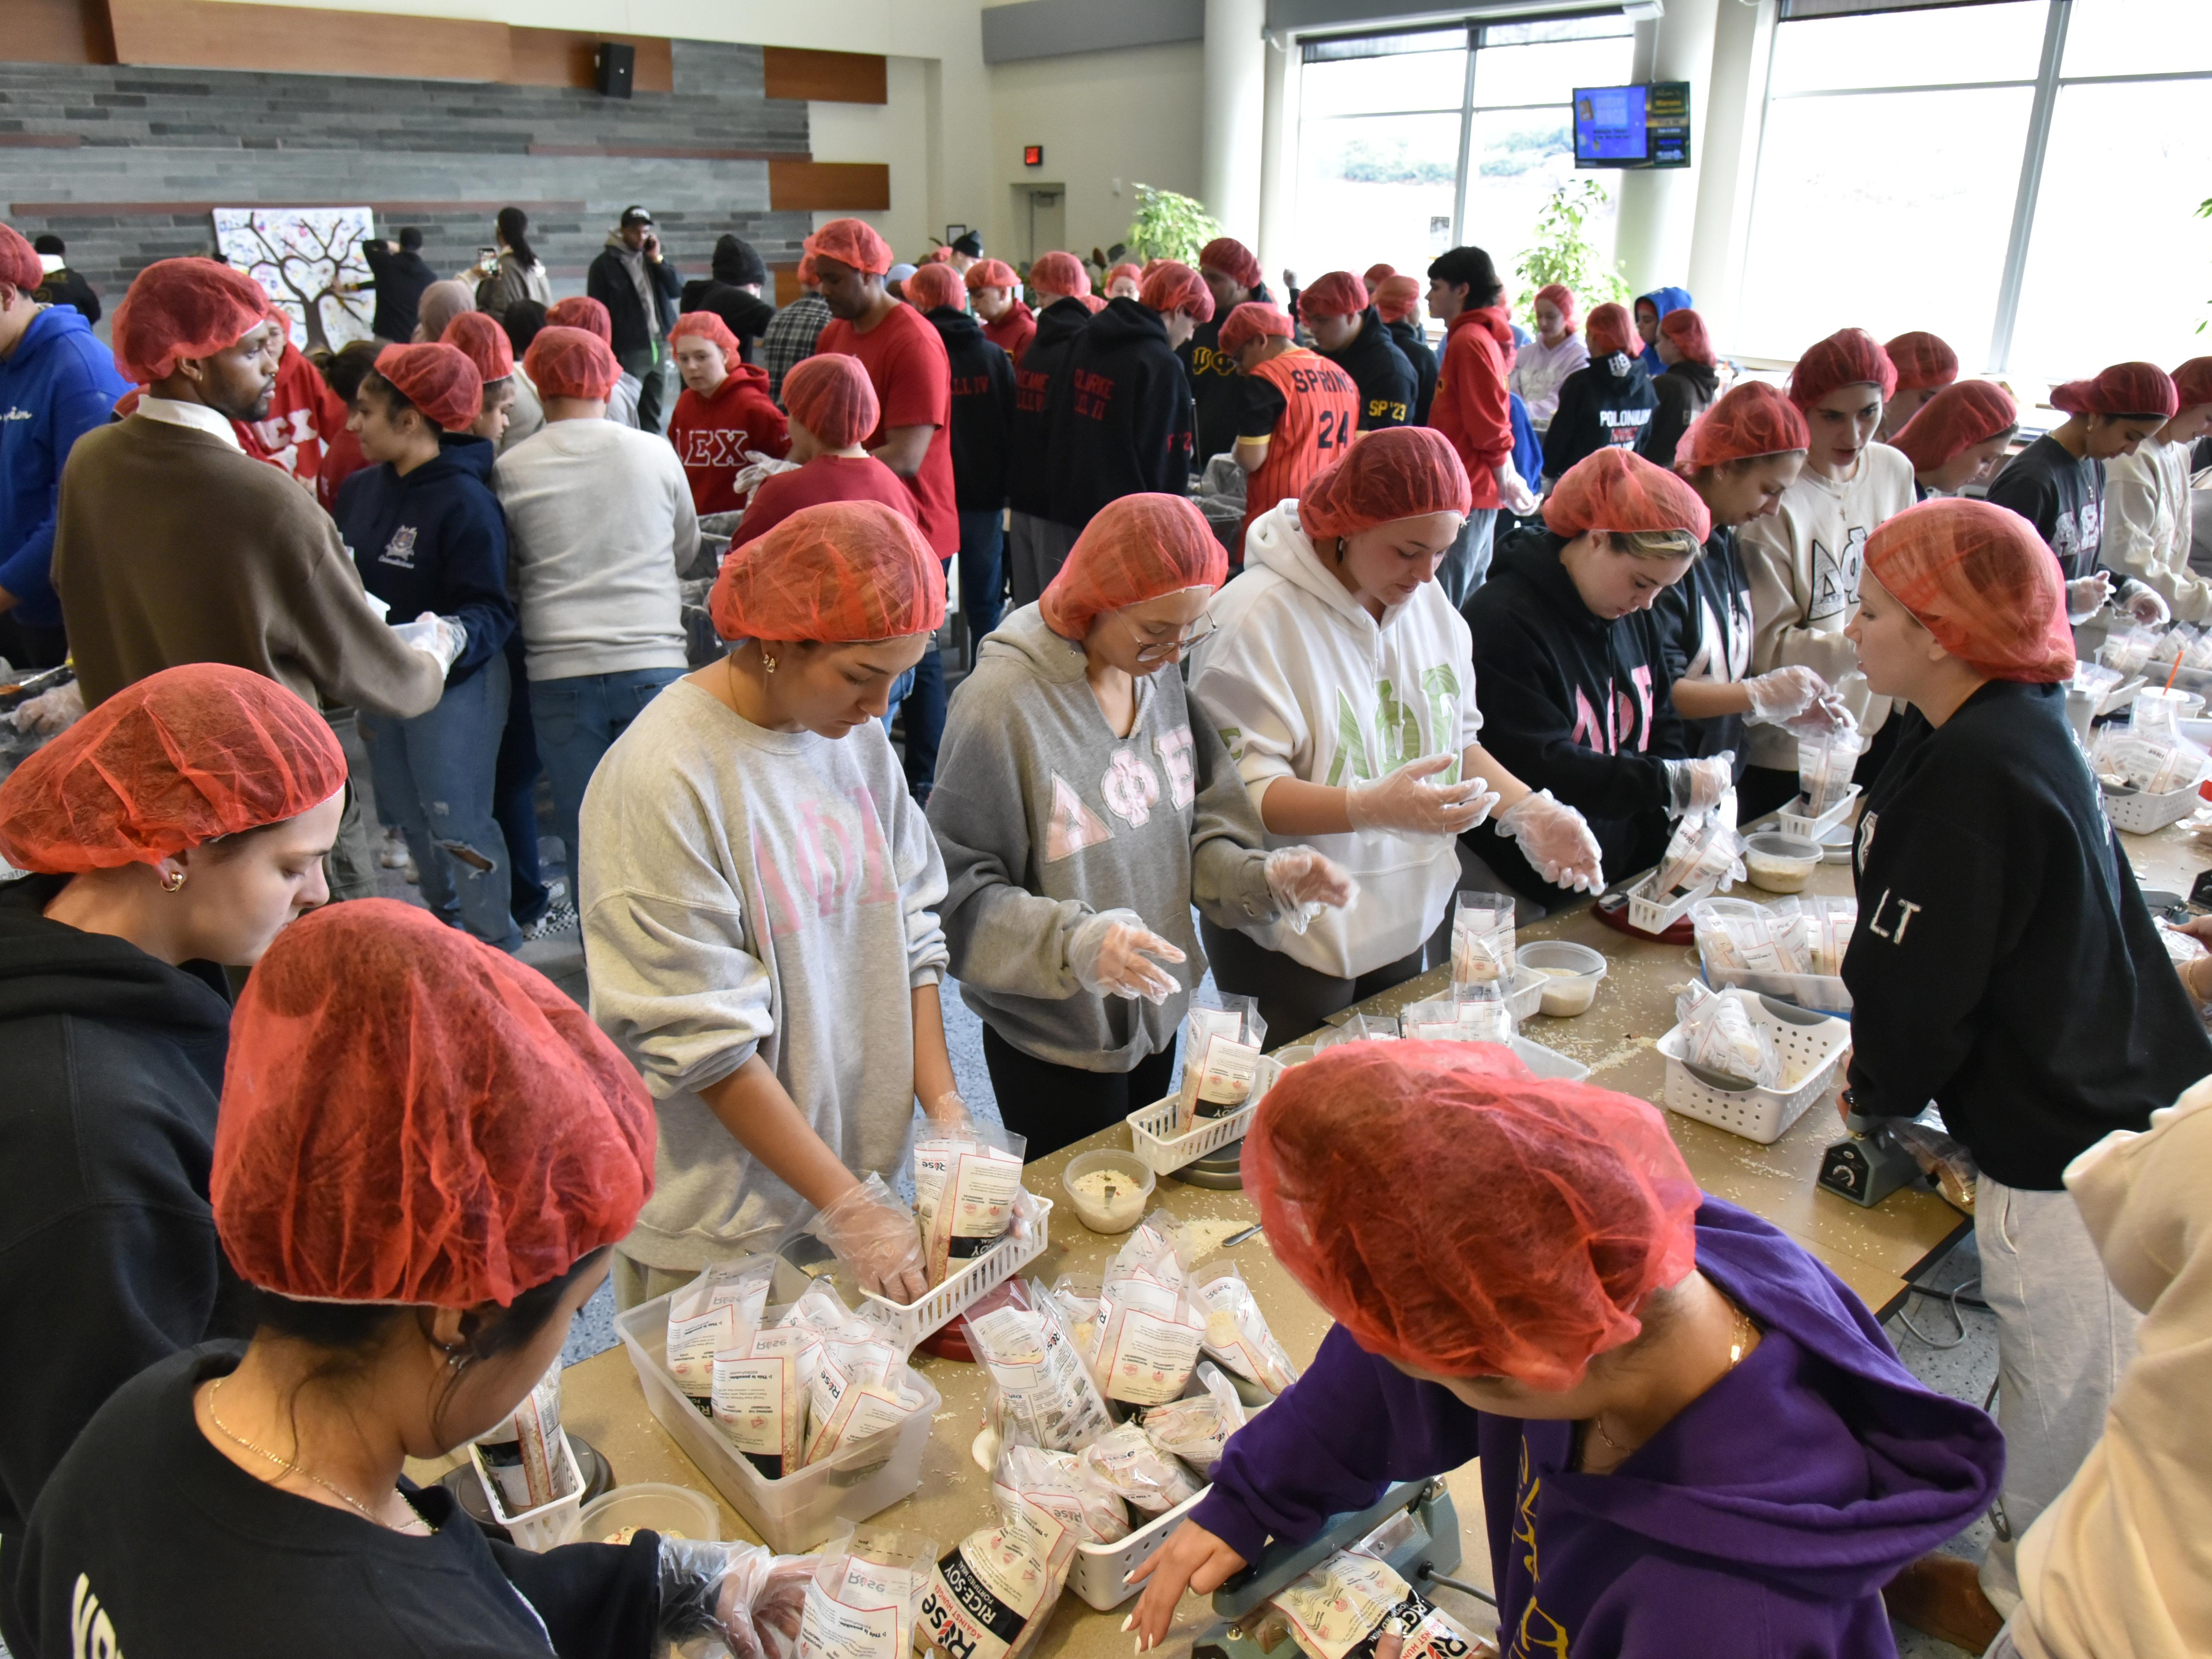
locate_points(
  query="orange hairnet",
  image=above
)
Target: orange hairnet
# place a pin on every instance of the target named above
(1135, 272)
(1963, 414)
(938, 256)
(1849, 356)
(1609, 331)
(992, 273)
(1981, 580)
(1923, 362)
(1377, 272)
(1543, 1213)
(851, 242)
(1169, 286)
(935, 285)
(831, 395)
(1255, 320)
(19, 260)
(411, 1115)
(1059, 273)
(188, 307)
(2123, 389)
(1399, 472)
(2192, 383)
(167, 763)
(706, 325)
(1232, 259)
(809, 274)
(1339, 294)
(1560, 297)
(839, 572)
(440, 380)
(568, 363)
(581, 311)
(1135, 547)
(1686, 330)
(1750, 418)
(479, 336)
(1614, 489)
(1395, 298)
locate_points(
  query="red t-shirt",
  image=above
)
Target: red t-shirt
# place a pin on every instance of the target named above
(304, 416)
(711, 436)
(824, 478)
(905, 359)
(1012, 332)
(342, 458)
(1470, 407)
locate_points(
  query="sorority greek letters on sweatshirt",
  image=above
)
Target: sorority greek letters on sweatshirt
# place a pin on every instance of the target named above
(2063, 497)
(711, 435)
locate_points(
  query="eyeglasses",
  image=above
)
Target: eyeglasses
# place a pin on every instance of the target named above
(1152, 649)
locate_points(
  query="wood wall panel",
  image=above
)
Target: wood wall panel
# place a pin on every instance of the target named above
(57, 32)
(827, 186)
(787, 285)
(563, 58)
(302, 40)
(836, 78)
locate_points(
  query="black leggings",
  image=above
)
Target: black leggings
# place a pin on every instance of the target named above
(1055, 1106)
(1294, 999)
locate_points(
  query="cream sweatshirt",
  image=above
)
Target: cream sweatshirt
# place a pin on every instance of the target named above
(1539, 370)
(2149, 523)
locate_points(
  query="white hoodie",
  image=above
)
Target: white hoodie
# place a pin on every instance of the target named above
(1304, 683)
(2149, 522)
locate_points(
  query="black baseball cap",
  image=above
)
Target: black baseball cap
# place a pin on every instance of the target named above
(634, 215)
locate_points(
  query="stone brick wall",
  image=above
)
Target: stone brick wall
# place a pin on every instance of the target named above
(123, 163)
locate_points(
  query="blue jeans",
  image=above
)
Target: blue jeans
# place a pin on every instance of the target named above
(434, 775)
(925, 721)
(577, 719)
(899, 688)
(514, 796)
(1467, 564)
(982, 572)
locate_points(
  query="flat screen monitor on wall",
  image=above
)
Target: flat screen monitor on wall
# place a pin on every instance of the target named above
(1635, 126)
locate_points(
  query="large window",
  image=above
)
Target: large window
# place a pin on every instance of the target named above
(1410, 143)
(2020, 177)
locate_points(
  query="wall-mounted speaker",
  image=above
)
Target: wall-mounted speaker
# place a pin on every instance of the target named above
(616, 65)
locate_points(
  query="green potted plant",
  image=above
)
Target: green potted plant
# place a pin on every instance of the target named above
(1562, 252)
(1168, 226)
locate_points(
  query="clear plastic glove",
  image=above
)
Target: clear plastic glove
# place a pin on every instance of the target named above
(1777, 696)
(738, 1595)
(2146, 606)
(1514, 494)
(1557, 840)
(949, 1116)
(1110, 956)
(1696, 785)
(873, 1232)
(1405, 803)
(1827, 712)
(434, 636)
(1306, 882)
(2086, 598)
(53, 711)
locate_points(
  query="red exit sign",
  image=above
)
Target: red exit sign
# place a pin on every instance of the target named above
(1032, 155)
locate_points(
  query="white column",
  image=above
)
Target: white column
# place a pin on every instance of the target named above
(1741, 47)
(1235, 101)
(1279, 160)
(1658, 205)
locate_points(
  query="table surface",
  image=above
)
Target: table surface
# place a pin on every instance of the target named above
(1874, 1251)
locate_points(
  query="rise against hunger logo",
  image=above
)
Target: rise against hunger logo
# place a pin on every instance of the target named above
(1836, 576)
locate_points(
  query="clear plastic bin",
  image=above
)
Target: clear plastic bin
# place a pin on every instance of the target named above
(667, 1510)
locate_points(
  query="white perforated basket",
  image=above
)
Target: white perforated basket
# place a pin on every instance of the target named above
(1649, 915)
(1152, 1134)
(1099, 1570)
(1807, 827)
(908, 1323)
(1809, 1045)
(2140, 814)
(549, 1525)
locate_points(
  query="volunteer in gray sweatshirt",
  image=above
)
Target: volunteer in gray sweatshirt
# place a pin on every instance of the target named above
(1082, 811)
(759, 899)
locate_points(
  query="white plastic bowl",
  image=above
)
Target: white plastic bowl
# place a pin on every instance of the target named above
(655, 1503)
(1570, 974)
(1779, 863)
(1132, 1189)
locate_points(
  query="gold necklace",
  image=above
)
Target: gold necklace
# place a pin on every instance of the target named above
(1746, 1335)
(285, 1464)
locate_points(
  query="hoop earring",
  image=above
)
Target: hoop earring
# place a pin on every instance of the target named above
(173, 882)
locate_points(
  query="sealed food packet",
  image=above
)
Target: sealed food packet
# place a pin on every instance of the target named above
(1057, 1481)
(864, 1599)
(1048, 1392)
(524, 1452)
(1076, 1297)
(1360, 1028)
(1124, 1461)
(1149, 1330)
(717, 1312)
(2156, 760)
(760, 1398)
(822, 1311)
(1718, 1035)
(859, 1389)
(1197, 1427)
(965, 1194)
(1483, 941)
(1221, 1042)
(1236, 1331)
(1336, 1607)
(1447, 1019)
(991, 1595)
(1705, 848)
(1826, 762)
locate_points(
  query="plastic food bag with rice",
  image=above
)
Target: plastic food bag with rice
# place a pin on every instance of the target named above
(991, 1595)
(1483, 954)
(523, 1454)
(1703, 849)
(1149, 1330)
(966, 1189)
(1360, 1028)
(1221, 1040)
(2156, 760)
(1344, 1606)
(1236, 1331)
(1826, 762)
(858, 1389)
(1448, 1019)
(863, 1598)
(1721, 1036)
(1197, 1427)
(1125, 1462)
(1048, 1394)
(1058, 1482)
(719, 1310)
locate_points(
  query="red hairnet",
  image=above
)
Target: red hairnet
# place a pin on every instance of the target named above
(2192, 383)
(706, 325)
(839, 572)
(1981, 580)
(1686, 330)
(1849, 356)
(1544, 1212)
(808, 273)
(1609, 331)
(938, 256)
(851, 242)
(1614, 488)
(2123, 389)
(1750, 418)
(831, 395)
(187, 307)
(1124, 270)
(1169, 286)
(992, 273)
(1094, 303)
(1560, 297)
(1059, 273)
(567, 362)
(1923, 362)
(167, 763)
(411, 1115)
(1255, 320)
(581, 311)
(1961, 416)
(1395, 298)
(440, 380)
(1376, 273)
(1399, 472)
(1339, 294)
(1135, 547)
(19, 260)
(1232, 259)
(478, 336)
(932, 286)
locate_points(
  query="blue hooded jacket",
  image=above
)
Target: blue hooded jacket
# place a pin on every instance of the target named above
(434, 540)
(1666, 300)
(58, 384)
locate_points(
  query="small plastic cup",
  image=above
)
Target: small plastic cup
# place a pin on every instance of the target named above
(1779, 863)
(1571, 973)
(670, 1511)
(1130, 1181)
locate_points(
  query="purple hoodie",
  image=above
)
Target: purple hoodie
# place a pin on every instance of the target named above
(1763, 1521)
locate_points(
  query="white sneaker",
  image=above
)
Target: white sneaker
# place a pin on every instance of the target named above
(391, 850)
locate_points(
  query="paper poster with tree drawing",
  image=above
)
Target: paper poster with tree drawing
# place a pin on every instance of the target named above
(305, 257)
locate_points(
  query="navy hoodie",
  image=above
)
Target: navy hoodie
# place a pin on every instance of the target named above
(1598, 407)
(1120, 416)
(1029, 444)
(1217, 392)
(1411, 341)
(982, 411)
(1762, 1522)
(1546, 670)
(435, 540)
(58, 384)
(1389, 392)
(1705, 621)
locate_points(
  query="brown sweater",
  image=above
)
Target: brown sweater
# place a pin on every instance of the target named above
(172, 547)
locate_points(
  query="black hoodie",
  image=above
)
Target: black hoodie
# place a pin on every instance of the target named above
(982, 411)
(1705, 620)
(108, 1258)
(1214, 388)
(1389, 392)
(1029, 445)
(1598, 407)
(1120, 416)
(1546, 671)
(1410, 340)
(1685, 392)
